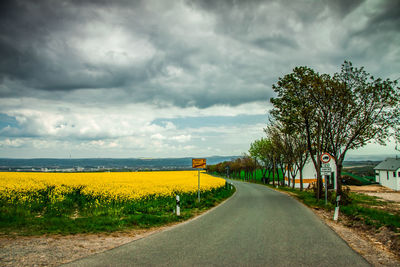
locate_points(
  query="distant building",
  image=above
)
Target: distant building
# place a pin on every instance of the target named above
(310, 175)
(79, 169)
(387, 173)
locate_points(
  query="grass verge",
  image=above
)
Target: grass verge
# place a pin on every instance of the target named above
(368, 210)
(79, 214)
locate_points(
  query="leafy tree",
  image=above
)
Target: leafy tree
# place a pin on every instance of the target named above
(262, 150)
(279, 149)
(361, 109)
(248, 166)
(295, 107)
(299, 154)
(338, 113)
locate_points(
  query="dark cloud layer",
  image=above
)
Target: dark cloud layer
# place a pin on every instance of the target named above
(158, 78)
(192, 53)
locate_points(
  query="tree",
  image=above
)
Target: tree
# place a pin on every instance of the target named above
(279, 151)
(262, 150)
(248, 167)
(299, 154)
(338, 113)
(361, 109)
(295, 108)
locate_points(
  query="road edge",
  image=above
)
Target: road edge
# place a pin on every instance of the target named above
(159, 229)
(362, 245)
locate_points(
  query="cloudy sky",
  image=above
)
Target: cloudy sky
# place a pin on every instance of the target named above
(170, 78)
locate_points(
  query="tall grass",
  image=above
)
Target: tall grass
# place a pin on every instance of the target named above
(80, 213)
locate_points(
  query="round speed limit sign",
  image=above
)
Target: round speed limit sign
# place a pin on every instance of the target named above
(325, 157)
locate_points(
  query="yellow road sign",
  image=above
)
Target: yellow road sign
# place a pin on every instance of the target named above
(199, 163)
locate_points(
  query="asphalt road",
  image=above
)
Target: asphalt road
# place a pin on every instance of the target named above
(255, 227)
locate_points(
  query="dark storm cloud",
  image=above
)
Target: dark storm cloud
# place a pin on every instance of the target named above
(33, 52)
(25, 32)
(37, 55)
(385, 19)
(344, 7)
(191, 53)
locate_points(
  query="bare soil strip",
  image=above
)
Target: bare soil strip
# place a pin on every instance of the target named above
(373, 246)
(56, 250)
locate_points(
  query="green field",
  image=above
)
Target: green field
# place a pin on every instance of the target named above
(365, 180)
(257, 176)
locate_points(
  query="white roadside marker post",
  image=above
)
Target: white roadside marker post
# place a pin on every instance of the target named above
(178, 207)
(336, 214)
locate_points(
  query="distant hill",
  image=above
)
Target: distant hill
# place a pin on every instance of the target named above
(352, 163)
(376, 157)
(106, 163)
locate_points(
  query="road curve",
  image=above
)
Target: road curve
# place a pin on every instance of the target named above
(256, 227)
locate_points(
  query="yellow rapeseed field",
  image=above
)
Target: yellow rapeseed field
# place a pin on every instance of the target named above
(113, 186)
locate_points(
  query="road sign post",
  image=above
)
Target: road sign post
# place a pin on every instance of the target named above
(198, 164)
(325, 172)
(326, 189)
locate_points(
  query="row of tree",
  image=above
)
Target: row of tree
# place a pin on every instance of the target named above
(316, 113)
(235, 168)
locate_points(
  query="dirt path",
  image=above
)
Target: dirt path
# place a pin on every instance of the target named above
(372, 246)
(56, 250)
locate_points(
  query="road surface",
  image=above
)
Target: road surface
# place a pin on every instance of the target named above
(256, 227)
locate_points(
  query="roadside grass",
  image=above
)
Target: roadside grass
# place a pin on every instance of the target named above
(373, 217)
(369, 210)
(80, 214)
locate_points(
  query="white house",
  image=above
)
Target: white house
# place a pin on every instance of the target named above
(310, 175)
(387, 173)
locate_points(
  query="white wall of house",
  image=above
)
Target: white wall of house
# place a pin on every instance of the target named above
(310, 175)
(388, 178)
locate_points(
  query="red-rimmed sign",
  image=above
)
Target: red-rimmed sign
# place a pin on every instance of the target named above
(325, 157)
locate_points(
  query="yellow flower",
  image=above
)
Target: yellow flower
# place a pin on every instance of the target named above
(19, 187)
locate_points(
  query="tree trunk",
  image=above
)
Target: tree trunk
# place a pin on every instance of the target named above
(339, 167)
(255, 169)
(269, 175)
(294, 181)
(301, 180)
(273, 173)
(264, 173)
(319, 185)
(317, 166)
